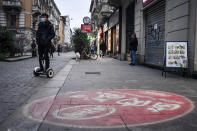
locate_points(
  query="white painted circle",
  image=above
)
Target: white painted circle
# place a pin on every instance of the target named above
(82, 114)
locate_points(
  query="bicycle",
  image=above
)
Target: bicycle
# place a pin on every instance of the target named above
(90, 54)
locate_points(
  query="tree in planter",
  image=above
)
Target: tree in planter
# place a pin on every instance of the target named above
(80, 41)
(6, 42)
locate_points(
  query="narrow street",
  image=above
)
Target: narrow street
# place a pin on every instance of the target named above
(118, 65)
(101, 95)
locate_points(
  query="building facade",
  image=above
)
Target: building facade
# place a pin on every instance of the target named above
(67, 30)
(61, 29)
(22, 16)
(155, 22)
(54, 17)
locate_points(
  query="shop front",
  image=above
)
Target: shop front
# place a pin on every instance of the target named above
(109, 42)
(154, 16)
(113, 34)
(129, 26)
(105, 37)
(100, 39)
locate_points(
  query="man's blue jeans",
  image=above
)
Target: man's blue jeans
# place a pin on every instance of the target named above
(133, 56)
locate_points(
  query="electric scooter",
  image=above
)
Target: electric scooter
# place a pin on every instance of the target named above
(48, 72)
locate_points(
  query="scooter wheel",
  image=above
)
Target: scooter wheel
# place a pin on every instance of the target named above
(36, 74)
(50, 73)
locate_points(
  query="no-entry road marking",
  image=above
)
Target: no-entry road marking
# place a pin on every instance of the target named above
(109, 108)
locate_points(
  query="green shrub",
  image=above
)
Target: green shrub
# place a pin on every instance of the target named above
(6, 41)
(80, 41)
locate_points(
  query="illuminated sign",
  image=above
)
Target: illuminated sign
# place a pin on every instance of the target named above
(146, 2)
(86, 28)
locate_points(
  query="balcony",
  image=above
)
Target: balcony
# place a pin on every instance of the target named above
(107, 10)
(117, 3)
(10, 5)
(101, 10)
(36, 10)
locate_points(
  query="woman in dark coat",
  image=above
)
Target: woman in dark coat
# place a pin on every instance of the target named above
(133, 48)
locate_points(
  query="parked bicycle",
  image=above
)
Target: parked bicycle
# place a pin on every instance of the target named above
(92, 54)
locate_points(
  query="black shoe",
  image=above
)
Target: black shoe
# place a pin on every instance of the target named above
(130, 64)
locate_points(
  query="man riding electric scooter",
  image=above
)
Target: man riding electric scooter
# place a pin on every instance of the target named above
(44, 35)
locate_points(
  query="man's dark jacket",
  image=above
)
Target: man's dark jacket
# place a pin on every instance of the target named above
(45, 34)
(133, 44)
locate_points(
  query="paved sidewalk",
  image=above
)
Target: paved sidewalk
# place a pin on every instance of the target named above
(109, 95)
(18, 84)
(18, 58)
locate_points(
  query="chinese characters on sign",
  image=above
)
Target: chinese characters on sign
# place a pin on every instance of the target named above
(176, 54)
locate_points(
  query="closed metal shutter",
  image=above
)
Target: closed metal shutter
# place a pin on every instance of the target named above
(155, 34)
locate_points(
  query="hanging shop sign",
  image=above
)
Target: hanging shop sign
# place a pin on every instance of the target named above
(86, 20)
(176, 54)
(146, 2)
(86, 28)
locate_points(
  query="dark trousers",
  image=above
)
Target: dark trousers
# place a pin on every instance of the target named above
(51, 54)
(133, 56)
(43, 52)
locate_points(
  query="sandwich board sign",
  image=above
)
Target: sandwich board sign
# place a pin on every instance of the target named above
(176, 54)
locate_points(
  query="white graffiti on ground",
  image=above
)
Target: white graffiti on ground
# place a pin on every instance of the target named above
(83, 112)
(103, 108)
(107, 96)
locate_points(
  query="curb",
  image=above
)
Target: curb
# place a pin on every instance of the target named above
(17, 59)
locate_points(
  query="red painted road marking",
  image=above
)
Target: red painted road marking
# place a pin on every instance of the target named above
(107, 108)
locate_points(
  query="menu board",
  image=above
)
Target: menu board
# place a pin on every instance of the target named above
(176, 54)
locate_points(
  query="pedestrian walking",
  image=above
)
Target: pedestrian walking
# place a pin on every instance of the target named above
(33, 48)
(44, 35)
(52, 50)
(133, 48)
(58, 49)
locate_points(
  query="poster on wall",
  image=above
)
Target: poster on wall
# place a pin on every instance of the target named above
(176, 54)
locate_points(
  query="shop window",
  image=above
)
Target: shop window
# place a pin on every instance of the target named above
(109, 41)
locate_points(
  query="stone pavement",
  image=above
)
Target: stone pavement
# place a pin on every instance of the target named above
(108, 95)
(17, 82)
(18, 58)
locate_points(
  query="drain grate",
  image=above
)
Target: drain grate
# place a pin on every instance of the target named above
(93, 73)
